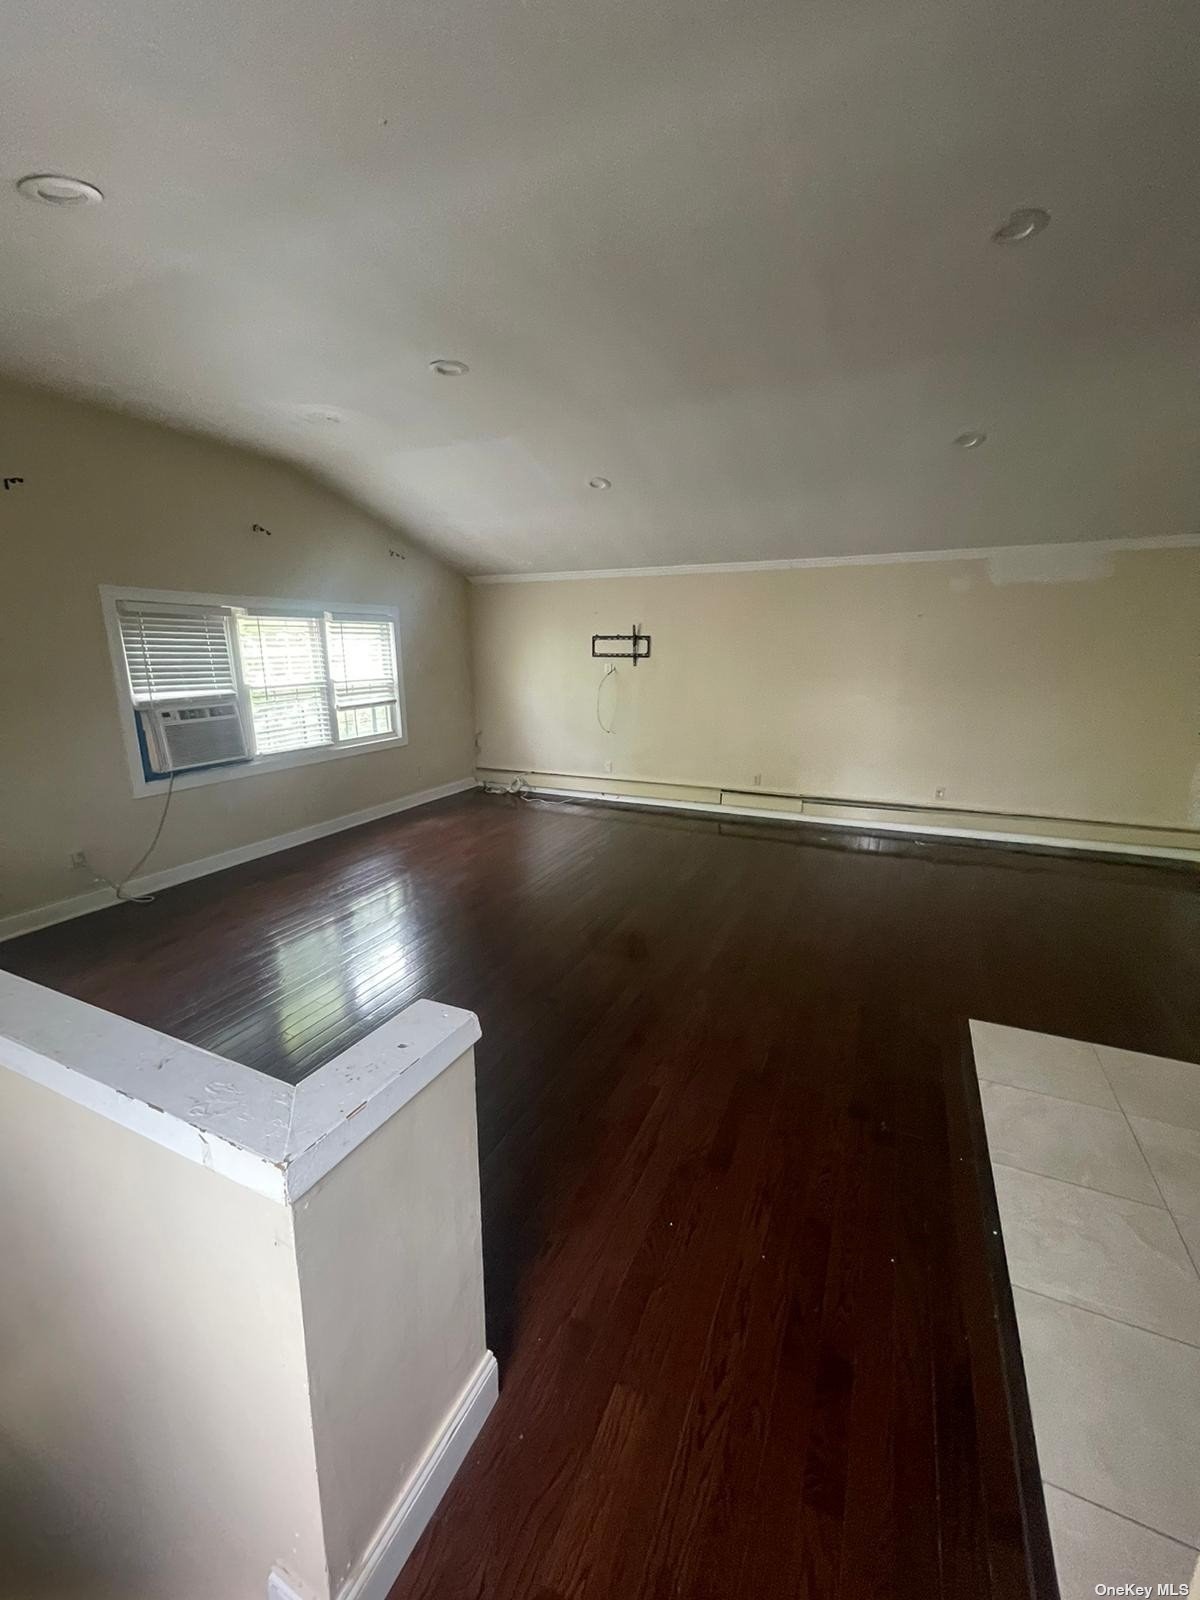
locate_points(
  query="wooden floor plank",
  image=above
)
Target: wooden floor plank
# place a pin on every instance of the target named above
(737, 1271)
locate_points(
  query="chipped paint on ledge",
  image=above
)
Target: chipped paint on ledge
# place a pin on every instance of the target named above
(276, 1138)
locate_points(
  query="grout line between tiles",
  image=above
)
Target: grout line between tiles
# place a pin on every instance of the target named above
(1079, 1305)
(1181, 1545)
(1088, 1188)
(1090, 1311)
(1146, 1055)
(1121, 1516)
(1045, 1094)
(1146, 1159)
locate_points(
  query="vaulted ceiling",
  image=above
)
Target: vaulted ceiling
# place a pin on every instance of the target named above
(735, 258)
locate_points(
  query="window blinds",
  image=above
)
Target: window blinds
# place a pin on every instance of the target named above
(283, 663)
(362, 666)
(176, 654)
(306, 680)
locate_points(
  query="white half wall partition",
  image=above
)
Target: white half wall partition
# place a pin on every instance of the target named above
(242, 1346)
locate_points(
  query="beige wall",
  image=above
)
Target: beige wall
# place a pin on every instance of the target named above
(1047, 684)
(394, 1328)
(199, 1384)
(153, 1383)
(110, 500)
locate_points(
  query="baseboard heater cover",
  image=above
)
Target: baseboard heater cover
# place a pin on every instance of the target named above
(651, 802)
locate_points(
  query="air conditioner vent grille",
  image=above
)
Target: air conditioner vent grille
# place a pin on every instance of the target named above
(193, 736)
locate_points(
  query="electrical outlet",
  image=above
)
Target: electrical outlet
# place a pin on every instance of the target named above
(758, 780)
(282, 1586)
(78, 858)
(939, 794)
(608, 766)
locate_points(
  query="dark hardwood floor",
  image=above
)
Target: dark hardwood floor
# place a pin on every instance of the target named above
(735, 1227)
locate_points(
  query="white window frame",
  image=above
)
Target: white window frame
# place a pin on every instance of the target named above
(111, 595)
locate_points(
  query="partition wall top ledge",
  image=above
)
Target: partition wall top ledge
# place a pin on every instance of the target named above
(273, 1137)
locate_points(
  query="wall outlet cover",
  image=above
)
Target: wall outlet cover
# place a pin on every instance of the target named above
(282, 1586)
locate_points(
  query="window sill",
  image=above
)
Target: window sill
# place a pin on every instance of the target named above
(261, 764)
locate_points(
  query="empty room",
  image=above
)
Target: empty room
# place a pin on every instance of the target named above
(600, 803)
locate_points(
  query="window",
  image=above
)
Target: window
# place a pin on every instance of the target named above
(362, 664)
(176, 653)
(283, 663)
(303, 682)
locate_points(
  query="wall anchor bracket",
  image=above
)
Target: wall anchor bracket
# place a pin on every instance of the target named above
(634, 640)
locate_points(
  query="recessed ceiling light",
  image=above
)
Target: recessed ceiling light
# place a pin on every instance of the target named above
(56, 190)
(1022, 224)
(599, 483)
(448, 369)
(970, 441)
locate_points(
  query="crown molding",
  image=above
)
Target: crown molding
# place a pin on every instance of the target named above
(1183, 541)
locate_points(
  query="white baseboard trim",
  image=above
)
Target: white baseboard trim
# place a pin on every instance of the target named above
(79, 905)
(857, 825)
(407, 1520)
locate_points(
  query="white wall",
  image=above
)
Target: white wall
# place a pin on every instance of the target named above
(110, 500)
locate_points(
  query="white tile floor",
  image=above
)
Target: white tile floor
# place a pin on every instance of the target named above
(1096, 1160)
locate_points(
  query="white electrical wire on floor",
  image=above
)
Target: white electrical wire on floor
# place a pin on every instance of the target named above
(518, 786)
(610, 673)
(119, 888)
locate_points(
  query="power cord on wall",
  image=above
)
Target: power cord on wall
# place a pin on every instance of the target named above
(118, 888)
(604, 726)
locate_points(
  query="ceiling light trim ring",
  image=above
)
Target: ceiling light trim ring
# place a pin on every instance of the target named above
(56, 189)
(1023, 223)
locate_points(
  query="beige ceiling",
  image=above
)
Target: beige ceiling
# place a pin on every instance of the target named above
(732, 254)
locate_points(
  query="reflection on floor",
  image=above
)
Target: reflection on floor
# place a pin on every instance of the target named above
(1096, 1161)
(737, 1275)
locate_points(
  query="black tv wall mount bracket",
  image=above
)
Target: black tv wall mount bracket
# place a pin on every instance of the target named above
(635, 640)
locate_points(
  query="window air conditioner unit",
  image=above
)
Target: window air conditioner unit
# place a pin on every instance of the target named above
(180, 737)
